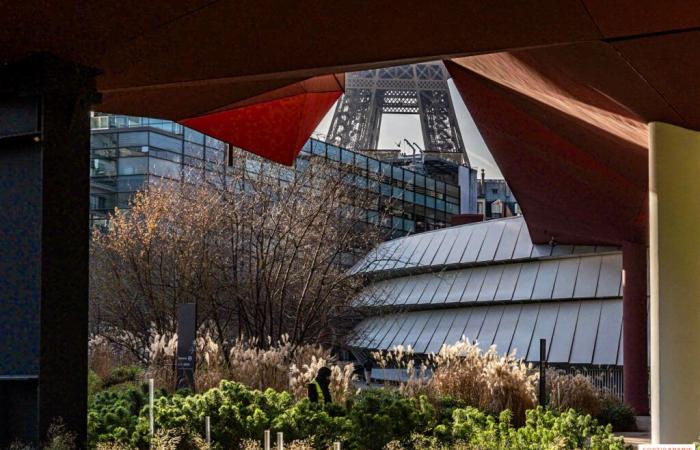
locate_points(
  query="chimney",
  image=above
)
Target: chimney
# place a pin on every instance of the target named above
(483, 182)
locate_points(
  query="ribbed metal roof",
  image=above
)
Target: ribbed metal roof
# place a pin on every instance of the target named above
(572, 277)
(577, 332)
(488, 282)
(478, 243)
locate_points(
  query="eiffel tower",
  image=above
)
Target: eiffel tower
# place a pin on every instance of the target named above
(411, 89)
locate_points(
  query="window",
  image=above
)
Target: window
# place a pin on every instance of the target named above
(163, 168)
(133, 166)
(133, 139)
(165, 142)
(194, 136)
(103, 168)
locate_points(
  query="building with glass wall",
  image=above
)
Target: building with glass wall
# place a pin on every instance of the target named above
(128, 152)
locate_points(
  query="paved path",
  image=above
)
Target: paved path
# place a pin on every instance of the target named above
(636, 438)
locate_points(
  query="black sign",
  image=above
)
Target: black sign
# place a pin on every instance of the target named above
(186, 348)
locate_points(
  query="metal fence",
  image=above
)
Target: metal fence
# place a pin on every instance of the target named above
(603, 377)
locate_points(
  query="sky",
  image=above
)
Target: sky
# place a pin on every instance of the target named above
(397, 127)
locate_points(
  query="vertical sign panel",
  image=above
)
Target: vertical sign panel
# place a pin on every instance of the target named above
(186, 335)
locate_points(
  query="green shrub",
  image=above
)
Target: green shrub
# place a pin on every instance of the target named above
(378, 416)
(617, 414)
(94, 385)
(236, 413)
(113, 414)
(543, 429)
(305, 420)
(124, 374)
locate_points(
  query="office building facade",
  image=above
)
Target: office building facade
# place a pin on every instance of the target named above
(129, 152)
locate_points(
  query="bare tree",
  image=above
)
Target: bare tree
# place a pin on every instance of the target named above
(262, 251)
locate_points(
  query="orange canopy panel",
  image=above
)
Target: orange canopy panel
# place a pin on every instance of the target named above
(276, 124)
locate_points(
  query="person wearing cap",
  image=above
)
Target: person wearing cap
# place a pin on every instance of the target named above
(319, 391)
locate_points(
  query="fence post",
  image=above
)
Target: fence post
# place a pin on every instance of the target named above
(336, 446)
(543, 372)
(280, 441)
(266, 440)
(151, 422)
(207, 427)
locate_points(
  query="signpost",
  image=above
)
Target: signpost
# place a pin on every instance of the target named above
(543, 372)
(186, 339)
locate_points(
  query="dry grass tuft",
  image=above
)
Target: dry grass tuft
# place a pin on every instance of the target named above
(485, 380)
(281, 366)
(572, 391)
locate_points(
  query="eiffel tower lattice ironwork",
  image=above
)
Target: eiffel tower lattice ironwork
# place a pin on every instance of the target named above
(411, 89)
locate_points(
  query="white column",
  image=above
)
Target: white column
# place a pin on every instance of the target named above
(674, 226)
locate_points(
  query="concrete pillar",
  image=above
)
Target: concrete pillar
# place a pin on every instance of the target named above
(44, 238)
(634, 316)
(674, 258)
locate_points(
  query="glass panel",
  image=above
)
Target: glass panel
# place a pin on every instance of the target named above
(213, 143)
(133, 151)
(194, 136)
(347, 156)
(103, 140)
(103, 167)
(194, 150)
(165, 168)
(333, 153)
(170, 156)
(133, 166)
(165, 142)
(131, 183)
(133, 139)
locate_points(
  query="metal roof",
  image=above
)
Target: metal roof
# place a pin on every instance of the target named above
(489, 283)
(577, 332)
(486, 242)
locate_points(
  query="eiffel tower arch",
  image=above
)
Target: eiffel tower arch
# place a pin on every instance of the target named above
(410, 89)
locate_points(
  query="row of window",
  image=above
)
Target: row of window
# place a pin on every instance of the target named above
(122, 160)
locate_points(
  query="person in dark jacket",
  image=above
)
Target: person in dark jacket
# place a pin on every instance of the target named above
(368, 371)
(319, 388)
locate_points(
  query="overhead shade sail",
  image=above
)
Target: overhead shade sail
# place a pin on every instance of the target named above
(276, 124)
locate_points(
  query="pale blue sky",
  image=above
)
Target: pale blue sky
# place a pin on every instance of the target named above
(397, 127)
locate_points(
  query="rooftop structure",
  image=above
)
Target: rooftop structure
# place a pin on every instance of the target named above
(488, 282)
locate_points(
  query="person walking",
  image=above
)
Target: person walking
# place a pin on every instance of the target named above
(319, 391)
(368, 371)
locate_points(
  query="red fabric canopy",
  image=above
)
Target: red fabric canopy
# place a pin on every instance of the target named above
(276, 124)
